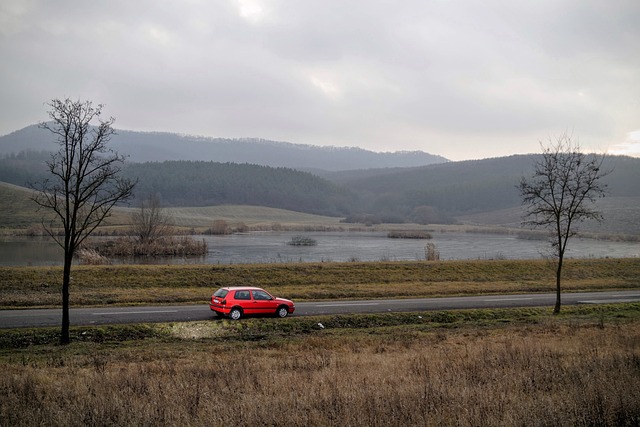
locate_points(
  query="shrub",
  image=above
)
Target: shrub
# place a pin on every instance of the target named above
(88, 256)
(165, 246)
(408, 234)
(219, 226)
(431, 253)
(302, 241)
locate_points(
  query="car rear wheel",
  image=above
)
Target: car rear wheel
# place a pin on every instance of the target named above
(235, 313)
(282, 311)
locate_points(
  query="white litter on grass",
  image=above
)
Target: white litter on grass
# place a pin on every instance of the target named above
(197, 330)
(320, 325)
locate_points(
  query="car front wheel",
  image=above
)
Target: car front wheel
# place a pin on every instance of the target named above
(235, 313)
(282, 312)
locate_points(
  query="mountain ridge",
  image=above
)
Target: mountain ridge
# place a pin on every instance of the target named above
(142, 147)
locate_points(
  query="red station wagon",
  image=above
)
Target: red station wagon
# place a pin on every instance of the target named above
(239, 301)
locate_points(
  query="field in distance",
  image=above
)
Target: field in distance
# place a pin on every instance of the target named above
(253, 216)
(18, 211)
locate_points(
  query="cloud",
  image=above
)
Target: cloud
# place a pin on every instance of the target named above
(251, 10)
(630, 147)
(460, 79)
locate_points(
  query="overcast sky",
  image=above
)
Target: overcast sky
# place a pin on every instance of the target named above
(463, 79)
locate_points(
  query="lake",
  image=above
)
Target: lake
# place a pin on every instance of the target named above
(272, 247)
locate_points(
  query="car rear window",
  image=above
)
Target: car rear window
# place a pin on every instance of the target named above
(221, 293)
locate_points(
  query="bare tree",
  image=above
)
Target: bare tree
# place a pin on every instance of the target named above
(151, 222)
(85, 182)
(220, 226)
(561, 194)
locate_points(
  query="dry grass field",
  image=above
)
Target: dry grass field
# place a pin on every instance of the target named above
(517, 370)
(253, 216)
(518, 367)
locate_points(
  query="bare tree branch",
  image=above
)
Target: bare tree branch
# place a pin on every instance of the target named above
(85, 183)
(561, 193)
(151, 222)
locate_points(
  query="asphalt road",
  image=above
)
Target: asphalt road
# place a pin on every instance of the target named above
(184, 313)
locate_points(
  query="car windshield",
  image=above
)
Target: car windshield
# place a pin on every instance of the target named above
(221, 293)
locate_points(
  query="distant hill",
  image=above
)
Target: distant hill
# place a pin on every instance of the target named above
(158, 146)
(187, 183)
(18, 211)
(479, 191)
(621, 216)
(440, 193)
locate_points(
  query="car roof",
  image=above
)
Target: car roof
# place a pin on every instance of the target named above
(247, 288)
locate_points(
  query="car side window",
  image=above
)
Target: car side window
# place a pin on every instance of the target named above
(243, 295)
(261, 295)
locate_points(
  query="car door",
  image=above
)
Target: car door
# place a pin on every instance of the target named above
(263, 302)
(243, 299)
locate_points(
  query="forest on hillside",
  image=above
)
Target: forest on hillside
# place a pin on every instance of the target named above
(436, 193)
(429, 194)
(185, 183)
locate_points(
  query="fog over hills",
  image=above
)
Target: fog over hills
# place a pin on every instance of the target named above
(158, 146)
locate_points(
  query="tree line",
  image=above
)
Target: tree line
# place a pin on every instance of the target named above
(188, 183)
(430, 194)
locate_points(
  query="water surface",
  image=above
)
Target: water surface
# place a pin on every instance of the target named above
(272, 247)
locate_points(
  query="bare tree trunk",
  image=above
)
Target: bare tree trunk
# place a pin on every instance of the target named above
(85, 183)
(556, 309)
(66, 278)
(150, 222)
(564, 186)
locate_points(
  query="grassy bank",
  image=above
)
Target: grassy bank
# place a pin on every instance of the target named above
(479, 367)
(140, 284)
